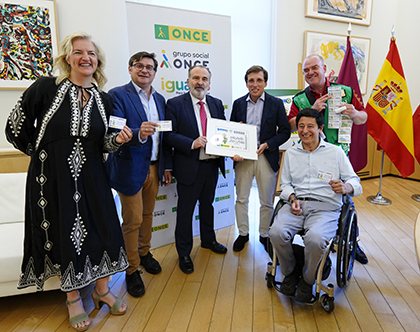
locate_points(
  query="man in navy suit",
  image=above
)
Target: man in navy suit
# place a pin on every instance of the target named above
(196, 172)
(138, 166)
(268, 114)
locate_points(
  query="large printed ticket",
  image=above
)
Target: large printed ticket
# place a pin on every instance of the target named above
(226, 138)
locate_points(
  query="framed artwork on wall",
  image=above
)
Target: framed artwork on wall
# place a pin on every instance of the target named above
(332, 48)
(354, 11)
(29, 42)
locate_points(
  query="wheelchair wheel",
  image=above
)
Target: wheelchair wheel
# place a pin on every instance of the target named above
(278, 206)
(327, 303)
(346, 250)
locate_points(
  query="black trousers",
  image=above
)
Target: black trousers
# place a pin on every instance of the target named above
(203, 190)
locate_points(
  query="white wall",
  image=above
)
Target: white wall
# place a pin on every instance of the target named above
(105, 20)
(253, 40)
(251, 32)
(290, 30)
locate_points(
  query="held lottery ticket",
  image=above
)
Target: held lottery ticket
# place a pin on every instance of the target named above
(325, 176)
(164, 125)
(116, 122)
(334, 103)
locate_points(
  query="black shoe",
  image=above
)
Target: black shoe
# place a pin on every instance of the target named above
(360, 255)
(264, 241)
(135, 286)
(288, 285)
(186, 265)
(150, 264)
(215, 247)
(239, 243)
(303, 292)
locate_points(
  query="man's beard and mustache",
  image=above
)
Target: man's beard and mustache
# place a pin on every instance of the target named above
(199, 94)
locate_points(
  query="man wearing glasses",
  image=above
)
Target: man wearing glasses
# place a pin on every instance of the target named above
(138, 166)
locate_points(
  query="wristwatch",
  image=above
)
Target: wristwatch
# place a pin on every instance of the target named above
(294, 198)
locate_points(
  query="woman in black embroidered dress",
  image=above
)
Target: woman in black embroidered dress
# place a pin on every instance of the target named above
(71, 225)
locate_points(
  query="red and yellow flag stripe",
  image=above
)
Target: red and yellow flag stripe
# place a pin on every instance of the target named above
(390, 120)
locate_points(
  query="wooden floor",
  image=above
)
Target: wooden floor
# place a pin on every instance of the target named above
(229, 293)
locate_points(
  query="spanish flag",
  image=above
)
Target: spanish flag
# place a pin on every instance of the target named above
(390, 118)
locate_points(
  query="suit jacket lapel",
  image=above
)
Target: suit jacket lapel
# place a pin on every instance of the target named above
(243, 108)
(190, 114)
(266, 110)
(160, 108)
(135, 99)
(212, 107)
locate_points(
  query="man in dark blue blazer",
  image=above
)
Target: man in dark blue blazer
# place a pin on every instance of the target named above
(138, 166)
(195, 171)
(268, 114)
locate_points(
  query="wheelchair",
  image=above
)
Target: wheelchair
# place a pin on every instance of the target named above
(343, 244)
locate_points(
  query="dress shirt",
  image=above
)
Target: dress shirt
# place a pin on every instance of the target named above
(301, 169)
(254, 113)
(152, 114)
(197, 107)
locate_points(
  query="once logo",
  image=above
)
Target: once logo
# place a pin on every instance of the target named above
(182, 61)
(160, 213)
(227, 171)
(225, 210)
(161, 197)
(160, 227)
(222, 198)
(182, 34)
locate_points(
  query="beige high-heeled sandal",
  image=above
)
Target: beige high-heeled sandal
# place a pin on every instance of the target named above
(78, 318)
(114, 310)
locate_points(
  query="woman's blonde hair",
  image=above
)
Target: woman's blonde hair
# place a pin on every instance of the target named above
(66, 47)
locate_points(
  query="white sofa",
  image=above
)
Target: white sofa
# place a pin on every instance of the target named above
(12, 204)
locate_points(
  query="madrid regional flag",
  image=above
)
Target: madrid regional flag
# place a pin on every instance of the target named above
(416, 129)
(348, 76)
(390, 119)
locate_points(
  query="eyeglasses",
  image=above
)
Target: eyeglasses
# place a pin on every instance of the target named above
(139, 66)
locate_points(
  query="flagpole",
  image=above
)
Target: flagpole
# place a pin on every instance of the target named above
(379, 199)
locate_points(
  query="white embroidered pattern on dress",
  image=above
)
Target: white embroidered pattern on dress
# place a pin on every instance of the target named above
(76, 160)
(43, 202)
(80, 119)
(55, 105)
(71, 280)
(101, 107)
(16, 118)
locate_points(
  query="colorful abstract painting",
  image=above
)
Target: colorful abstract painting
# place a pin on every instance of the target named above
(27, 43)
(333, 47)
(354, 11)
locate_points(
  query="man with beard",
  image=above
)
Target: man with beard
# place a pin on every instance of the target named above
(196, 172)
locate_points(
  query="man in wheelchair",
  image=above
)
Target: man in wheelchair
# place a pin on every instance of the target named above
(315, 176)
